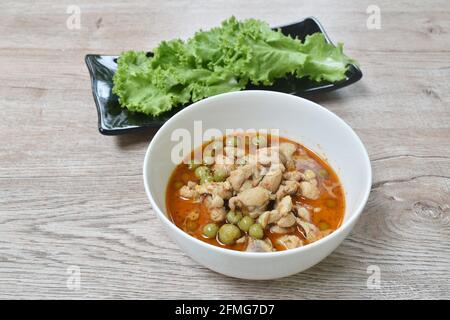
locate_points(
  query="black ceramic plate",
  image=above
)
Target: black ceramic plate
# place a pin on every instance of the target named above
(112, 119)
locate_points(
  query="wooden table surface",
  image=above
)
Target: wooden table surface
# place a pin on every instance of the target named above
(73, 200)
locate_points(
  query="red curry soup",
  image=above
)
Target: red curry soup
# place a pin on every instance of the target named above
(257, 193)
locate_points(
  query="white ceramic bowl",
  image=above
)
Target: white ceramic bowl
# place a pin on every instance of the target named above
(298, 119)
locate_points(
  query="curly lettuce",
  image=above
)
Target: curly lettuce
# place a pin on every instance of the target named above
(222, 59)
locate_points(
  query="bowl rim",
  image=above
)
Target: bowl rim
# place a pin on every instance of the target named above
(204, 103)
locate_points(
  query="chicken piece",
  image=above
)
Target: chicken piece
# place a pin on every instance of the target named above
(272, 179)
(290, 241)
(278, 165)
(238, 176)
(274, 216)
(303, 213)
(255, 245)
(213, 201)
(267, 156)
(287, 149)
(241, 239)
(312, 233)
(287, 221)
(263, 219)
(254, 197)
(189, 191)
(222, 189)
(287, 188)
(257, 179)
(256, 212)
(248, 184)
(253, 200)
(263, 156)
(218, 214)
(208, 160)
(258, 174)
(284, 206)
(309, 175)
(278, 229)
(309, 189)
(290, 164)
(293, 176)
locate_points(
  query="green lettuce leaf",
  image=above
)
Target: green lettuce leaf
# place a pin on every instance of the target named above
(220, 60)
(324, 62)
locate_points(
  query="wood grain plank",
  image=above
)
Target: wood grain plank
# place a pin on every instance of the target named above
(71, 197)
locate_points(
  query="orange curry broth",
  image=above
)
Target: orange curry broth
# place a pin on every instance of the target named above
(331, 213)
